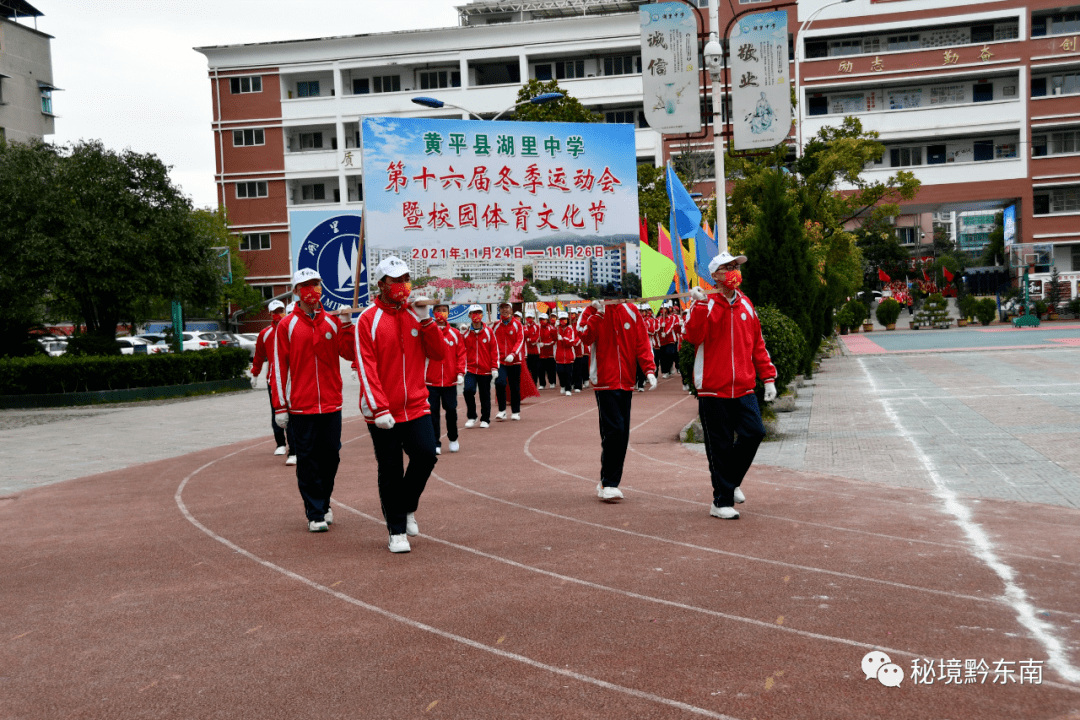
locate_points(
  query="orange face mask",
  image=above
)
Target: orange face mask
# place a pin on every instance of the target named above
(441, 315)
(732, 279)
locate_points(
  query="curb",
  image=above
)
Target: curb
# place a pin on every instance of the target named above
(13, 402)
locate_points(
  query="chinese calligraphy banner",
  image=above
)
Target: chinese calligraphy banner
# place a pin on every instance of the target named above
(760, 89)
(669, 71)
(328, 241)
(507, 192)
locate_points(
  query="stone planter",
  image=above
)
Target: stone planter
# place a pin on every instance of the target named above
(868, 327)
(890, 326)
(912, 325)
(962, 322)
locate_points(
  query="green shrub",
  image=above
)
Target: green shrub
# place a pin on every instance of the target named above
(46, 375)
(92, 346)
(858, 312)
(785, 343)
(986, 310)
(1074, 306)
(887, 311)
(967, 306)
(1040, 308)
(844, 318)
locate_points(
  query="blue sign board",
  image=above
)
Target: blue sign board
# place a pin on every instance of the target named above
(328, 241)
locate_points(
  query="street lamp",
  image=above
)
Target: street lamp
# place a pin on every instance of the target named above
(538, 100)
(800, 52)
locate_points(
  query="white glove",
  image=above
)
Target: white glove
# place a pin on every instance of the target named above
(460, 379)
(598, 306)
(355, 377)
(384, 422)
(420, 312)
(254, 381)
(495, 373)
(509, 358)
(697, 294)
(282, 419)
(770, 391)
(652, 381)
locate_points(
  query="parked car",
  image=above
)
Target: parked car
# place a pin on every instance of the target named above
(247, 341)
(54, 346)
(226, 339)
(133, 345)
(156, 343)
(875, 295)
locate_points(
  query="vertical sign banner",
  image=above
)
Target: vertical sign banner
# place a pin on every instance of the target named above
(1010, 226)
(760, 90)
(461, 199)
(669, 70)
(328, 241)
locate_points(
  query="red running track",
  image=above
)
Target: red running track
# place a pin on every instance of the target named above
(190, 588)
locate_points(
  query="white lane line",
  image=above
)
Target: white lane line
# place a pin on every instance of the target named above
(983, 548)
(639, 694)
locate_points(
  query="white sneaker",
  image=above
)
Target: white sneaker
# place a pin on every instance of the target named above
(454, 446)
(470, 422)
(317, 526)
(399, 544)
(608, 494)
(501, 415)
(587, 383)
(411, 528)
(515, 416)
(641, 389)
(291, 460)
(739, 497)
(484, 424)
(725, 513)
(577, 389)
(686, 388)
(568, 392)
(328, 518)
(280, 450)
(438, 450)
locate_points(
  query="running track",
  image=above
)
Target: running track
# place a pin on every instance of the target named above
(190, 588)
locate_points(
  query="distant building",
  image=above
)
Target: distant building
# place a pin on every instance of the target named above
(26, 77)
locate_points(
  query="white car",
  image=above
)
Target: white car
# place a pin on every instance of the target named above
(156, 343)
(247, 341)
(133, 345)
(54, 346)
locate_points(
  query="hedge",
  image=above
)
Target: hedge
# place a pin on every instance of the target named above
(44, 375)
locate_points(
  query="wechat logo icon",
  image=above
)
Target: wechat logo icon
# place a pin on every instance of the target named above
(878, 665)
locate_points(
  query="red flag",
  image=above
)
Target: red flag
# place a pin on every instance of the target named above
(925, 276)
(948, 275)
(883, 277)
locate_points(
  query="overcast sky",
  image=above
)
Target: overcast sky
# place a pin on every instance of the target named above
(132, 80)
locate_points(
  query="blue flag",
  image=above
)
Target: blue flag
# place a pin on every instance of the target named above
(685, 222)
(707, 249)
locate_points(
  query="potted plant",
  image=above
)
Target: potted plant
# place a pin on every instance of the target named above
(845, 320)
(985, 310)
(1040, 308)
(858, 313)
(966, 305)
(888, 310)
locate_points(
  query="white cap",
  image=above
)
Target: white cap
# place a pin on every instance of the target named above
(723, 259)
(474, 308)
(562, 314)
(530, 313)
(544, 315)
(391, 266)
(666, 303)
(275, 305)
(303, 275)
(289, 308)
(518, 313)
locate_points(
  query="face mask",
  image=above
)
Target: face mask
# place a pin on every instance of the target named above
(441, 315)
(564, 322)
(732, 279)
(399, 292)
(476, 318)
(310, 295)
(276, 318)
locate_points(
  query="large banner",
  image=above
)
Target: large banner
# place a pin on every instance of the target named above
(760, 89)
(457, 197)
(328, 241)
(669, 71)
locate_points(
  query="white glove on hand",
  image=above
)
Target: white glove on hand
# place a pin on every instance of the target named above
(770, 391)
(697, 294)
(282, 419)
(509, 358)
(420, 312)
(460, 379)
(384, 422)
(598, 306)
(355, 377)
(495, 373)
(652, 381)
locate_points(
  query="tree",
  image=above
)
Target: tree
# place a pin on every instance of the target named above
(527, 273)
(631, 285)
(566, 109)
(994, 252)
(528, 294)
(213, 227)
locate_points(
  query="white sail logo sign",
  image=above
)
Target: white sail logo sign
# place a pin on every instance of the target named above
(328, 242)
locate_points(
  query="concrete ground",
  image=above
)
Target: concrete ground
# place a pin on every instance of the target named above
(918, 505)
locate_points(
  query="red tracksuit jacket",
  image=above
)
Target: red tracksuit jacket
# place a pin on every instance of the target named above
(511, 339)
(532, 336)
(564, 348)
(668, 330)
(548, 336)
(731, 352)
(619, 342)
(481, 350)
(262, 342)
(306, 373)
(393, 348)
(443, 373)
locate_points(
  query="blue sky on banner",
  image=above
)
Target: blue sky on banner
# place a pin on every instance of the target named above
(496, 184)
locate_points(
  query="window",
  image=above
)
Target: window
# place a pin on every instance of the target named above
(243, 138)
(361, 86)
(432, 79)
(313, 192)
(569, 69)
(543, 72)
(1005, 151)
(46, 101)
(620, 116)
(1038, 145)
(1038, 87)
(240, 85)
(816, 49)
(267, 291)
(1064, 142)
(1041, 205)
(255, 241)
(1075, 257)
(251, 189)
(982, 92)
(845, 47)
(1064, 200)
(935, 154)
(947, 95)
(818, 105)
(1064, 23)
(903, 42)
(982, 33)
(984, 150)
(871, 45)
(905, 157)
(622, 65)
(387, 83)
(1059, 84)
(309, 88)
(906, 235)
(1006, 31)
(311, 141)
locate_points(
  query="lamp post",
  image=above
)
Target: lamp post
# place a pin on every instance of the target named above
(800, 53)
(538, 100)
